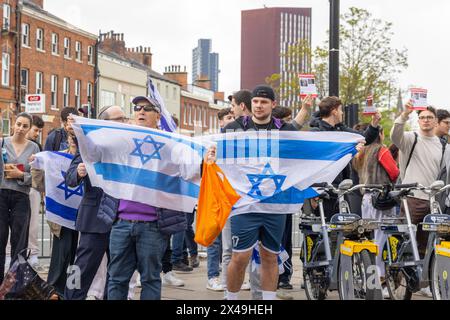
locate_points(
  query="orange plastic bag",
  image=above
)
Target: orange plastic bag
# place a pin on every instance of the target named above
(217, 198)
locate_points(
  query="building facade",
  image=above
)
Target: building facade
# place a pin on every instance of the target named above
(199, 105)
(119, 82)
(124, 73)
(266, 36)
(44, 55)
(205, 63)
(9, 80)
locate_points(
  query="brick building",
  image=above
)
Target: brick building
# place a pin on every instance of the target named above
(266, 35)
(9, 78)
(199, 104)
(124, 72)
(56, 59)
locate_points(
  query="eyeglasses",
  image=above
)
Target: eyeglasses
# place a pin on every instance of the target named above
(426, 118)
(147, 108)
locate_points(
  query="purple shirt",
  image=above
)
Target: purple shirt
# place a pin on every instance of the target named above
(129, 210)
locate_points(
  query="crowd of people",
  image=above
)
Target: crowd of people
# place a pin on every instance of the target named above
(118, 243)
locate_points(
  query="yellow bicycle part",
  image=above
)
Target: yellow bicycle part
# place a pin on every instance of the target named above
(349, 248)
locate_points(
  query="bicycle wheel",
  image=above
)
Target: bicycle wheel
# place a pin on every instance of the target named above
(397, 284)
(434, 279)
(361, 264)
(315, 287)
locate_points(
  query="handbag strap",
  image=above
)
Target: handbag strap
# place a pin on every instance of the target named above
(416, 136)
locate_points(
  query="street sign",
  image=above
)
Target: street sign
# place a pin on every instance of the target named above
(35, 103)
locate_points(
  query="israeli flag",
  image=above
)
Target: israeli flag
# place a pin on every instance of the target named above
(273, 170)
(282, 260)
(166, 123)
(61, 201)
(139, 164)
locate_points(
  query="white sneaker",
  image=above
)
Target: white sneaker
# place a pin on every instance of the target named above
(385, 293)
(169, 280)
(245, 286)
(426, 292)
(214, 284)
(138, 281)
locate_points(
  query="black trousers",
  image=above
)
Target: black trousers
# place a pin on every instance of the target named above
(167, 257)
(286, 242)
(90, 252)
(63, 255)
(15, 215)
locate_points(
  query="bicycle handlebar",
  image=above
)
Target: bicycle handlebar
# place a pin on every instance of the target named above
(320, 185)
(406, 186)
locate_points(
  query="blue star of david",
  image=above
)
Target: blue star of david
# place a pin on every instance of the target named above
(147, 157)
(257, 179)
(69, 192)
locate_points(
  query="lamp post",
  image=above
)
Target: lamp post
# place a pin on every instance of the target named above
(334, 48)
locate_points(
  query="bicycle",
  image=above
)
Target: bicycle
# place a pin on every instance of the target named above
(406, 272)
(351, 269)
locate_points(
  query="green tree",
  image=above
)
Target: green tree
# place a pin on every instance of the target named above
(368, 63)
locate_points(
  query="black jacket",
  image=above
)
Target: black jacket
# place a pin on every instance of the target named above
(97, 210)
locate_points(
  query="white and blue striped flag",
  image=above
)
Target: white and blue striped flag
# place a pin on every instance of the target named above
(166, 123)
(61, 202)
(273, 171)
(128, 162)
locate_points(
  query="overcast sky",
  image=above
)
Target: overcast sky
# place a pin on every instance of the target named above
(172, 27)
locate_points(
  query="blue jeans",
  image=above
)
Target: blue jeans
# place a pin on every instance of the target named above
(135, 246)
(214, 252)
(177, 247)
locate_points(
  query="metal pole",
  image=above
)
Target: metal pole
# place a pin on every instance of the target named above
(334, 47)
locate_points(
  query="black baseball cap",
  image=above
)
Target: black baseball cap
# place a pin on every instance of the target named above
(263, 91)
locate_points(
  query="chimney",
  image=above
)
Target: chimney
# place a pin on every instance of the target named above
(203, 82)
(113, 43)
(174, 73)
(147, 56)
(39, 3)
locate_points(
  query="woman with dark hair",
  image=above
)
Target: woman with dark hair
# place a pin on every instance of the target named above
(15, 188)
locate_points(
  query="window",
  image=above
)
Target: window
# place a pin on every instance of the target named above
(5, 68)
(67, 47)
(6, 127)
(174, 94)
(190, 115)
(39, 39)
(24, 83)
(185, 114)
(122, 101)
(91, 54)
(66, 91)
(78, 51)
(55, 47)
(77, 93)
(167, 92)
(6, 16)
(108, 98)
(54, 98)
(89, 92)
(39, 82)
(25, 34)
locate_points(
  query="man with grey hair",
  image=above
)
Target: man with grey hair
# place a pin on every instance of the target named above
(94, 220)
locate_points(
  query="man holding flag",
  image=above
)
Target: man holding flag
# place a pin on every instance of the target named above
(258, 218)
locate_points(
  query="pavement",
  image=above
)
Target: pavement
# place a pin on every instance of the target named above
(195, 285)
